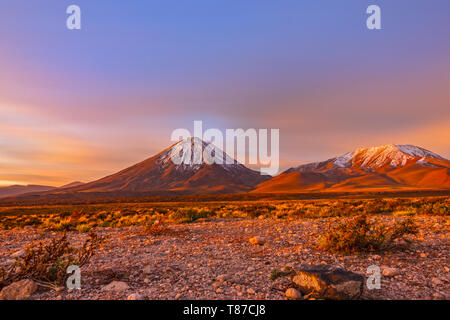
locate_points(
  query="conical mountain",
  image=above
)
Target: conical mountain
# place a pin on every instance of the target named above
(160, 173)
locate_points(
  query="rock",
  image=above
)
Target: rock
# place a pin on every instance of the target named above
(389, 272)
(116, 286)
(18, 254)
(257, 240)
(19, 290)
(436, 281)
(222, 278)
(135, 296)
(10, 262)
(329, 283)
(147, 270)
(293, 293)
(250, 291)
(402, 244)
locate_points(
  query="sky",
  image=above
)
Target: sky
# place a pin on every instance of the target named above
(82, 104)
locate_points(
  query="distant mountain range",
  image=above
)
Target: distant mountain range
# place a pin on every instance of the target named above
(16, 190)
(384, 168)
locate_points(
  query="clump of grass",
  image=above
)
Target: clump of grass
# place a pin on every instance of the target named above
(403, 213)
(279, 274)
(84, 228)
(359, 234)
(157, 228)
(189, 215)
(47, 263)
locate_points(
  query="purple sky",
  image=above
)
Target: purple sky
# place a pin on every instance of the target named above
(78, 105)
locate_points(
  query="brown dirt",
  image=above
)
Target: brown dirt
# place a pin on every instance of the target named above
(187, 263)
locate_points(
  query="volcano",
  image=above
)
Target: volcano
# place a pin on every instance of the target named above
(383, 168)
(160, 173)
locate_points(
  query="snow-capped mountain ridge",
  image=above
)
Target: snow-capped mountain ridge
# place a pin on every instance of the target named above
(390, 154)
(388, 167)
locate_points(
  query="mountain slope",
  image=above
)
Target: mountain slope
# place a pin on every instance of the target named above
(16, 190)
(388, 167)
(160, 173)
(72, 184)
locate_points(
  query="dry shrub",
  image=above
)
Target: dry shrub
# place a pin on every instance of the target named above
(75, 216)
(157, 228)
(48, 263)
(359, 234)
(188, 215)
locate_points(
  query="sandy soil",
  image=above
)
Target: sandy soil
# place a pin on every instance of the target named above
(215, 260)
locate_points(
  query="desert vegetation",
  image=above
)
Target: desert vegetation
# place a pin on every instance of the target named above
(363, 234)
(47, 263)
(83, 218)
(223, 249)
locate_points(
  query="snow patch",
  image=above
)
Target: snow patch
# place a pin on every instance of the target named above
(417, 151)
(344, 160)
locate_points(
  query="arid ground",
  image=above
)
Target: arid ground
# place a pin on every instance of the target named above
(205, 252)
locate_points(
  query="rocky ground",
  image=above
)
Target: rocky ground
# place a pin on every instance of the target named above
(215, 260)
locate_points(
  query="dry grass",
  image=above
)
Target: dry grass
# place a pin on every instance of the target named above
(84, 218)
(47, 263)
(158, 228)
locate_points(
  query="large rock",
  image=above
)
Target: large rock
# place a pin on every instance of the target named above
(329, 283)
(19, 290)
(116, 286)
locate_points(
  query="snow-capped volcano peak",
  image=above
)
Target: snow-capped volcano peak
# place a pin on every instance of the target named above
(387, 155)
(192, 152)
